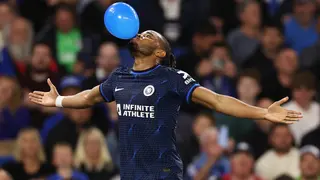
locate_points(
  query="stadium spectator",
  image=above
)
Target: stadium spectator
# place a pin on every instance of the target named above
(242, 164)
(245, 39)
(18, 38)
(309, 163)
(283, 158)
(92, 156)
(248, 89)
(278, 85)
(264, 56)
(64, 39)
(7, 15)
(300, 29)
(35, 78)
(218, 73)
(211, 162)
(13, 115)
(303, 93)
(63, 159)
(30, 161)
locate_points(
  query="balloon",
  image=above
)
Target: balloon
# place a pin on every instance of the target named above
(122, 21)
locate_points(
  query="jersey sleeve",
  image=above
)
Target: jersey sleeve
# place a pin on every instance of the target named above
(185, 85)
(106, 89)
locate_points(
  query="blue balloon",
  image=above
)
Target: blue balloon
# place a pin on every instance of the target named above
(122, 21)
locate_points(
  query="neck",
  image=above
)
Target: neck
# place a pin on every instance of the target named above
(241, 177)
(65, 172)
(270, 54)
(144, 63)
(250, 31)
(285, 79)
(250, 101)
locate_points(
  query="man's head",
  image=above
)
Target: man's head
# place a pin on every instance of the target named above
(204, 38)
(65, 18)
(309, 162)
(248, 86)
(242, 161)
(108, 58)
(7, 14)
(152, 45)
(272, 37)
(287, 61)
(9, 90)
(209, 141)
(201, 122)
(19, 37)
(41, 57)
(280, 138)
(249, 13)
(304, 11)
(304, 88)
(62, 155)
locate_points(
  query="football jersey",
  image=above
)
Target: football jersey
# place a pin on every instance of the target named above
(148, 103)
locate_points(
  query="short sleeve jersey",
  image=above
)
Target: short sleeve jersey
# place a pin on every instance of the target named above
(148, 103)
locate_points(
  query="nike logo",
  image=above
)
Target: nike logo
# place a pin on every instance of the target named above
(118, 89)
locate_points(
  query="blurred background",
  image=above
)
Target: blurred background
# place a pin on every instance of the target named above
(257, 51)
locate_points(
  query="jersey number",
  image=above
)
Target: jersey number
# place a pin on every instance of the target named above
(187, 78)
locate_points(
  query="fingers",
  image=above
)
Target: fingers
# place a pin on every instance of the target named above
(283, 100)
(294, 113)
(35, 96)
(38, 93)
(50, 84)
(37, 101)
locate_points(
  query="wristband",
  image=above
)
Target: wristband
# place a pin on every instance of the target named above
(59, 101)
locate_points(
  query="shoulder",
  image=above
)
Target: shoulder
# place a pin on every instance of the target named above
(233, 35)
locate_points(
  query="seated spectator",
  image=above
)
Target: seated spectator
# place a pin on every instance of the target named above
(18, 37)
(309, 163)
(92, 156)
(189, 148)
(30, 161)
(264, 56)
(282, 158)
(245, 40)
(300, 29)
(242, 164)
(7, 15)
(220, 70)
(211, 162)
(63, 159)
(35, 78)
(278, 85)
(65, 39)
(4, 175)
(13, 115)
(303, 93)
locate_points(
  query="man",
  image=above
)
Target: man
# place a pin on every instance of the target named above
(283, 158)
(148, 98)
(309, 163)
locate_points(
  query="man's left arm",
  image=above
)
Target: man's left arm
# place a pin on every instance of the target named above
(234, 107)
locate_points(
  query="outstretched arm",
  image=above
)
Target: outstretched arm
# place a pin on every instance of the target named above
(81, 100)
(231, 106)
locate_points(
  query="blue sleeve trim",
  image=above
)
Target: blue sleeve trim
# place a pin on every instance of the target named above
(101, 92)
(190, 92)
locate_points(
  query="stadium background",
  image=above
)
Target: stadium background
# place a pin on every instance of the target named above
(257, 51)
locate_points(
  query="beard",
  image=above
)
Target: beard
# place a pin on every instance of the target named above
(19, 52)
(140, 51)
(133, 48)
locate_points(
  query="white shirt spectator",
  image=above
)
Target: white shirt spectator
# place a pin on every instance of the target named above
(270, 165)
(310, 120)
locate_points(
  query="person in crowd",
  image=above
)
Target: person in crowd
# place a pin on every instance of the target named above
(18, 37)
(248, 89)
(35, 78)
(278, 85)
(64, 39)
(30, 161)
(13, 115)
(7, 14)
(218, 72)
(211, 162)
(92, 156)
(63, 161)
(72, 122)
(242, 163)
(282, 158)
(189, 148)
(300, 29)
(4, 175)
(309, 163)
(303, 93)
(245, 39)
(264, 56)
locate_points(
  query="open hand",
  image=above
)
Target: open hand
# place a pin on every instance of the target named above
(278, 114)
(45, 98)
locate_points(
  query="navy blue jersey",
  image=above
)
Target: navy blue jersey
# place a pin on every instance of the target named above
(148, 103)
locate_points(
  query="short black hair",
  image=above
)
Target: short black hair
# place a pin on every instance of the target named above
(251, 72)
(206, 28)
(243, 5)
(275, 24)
(208, 115)
(275, 126)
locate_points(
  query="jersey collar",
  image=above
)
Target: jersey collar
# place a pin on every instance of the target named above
(146, 71)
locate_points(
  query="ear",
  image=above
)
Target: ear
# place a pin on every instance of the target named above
(160, 53)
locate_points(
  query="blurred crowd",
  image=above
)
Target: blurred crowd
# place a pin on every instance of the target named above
(258, 51)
